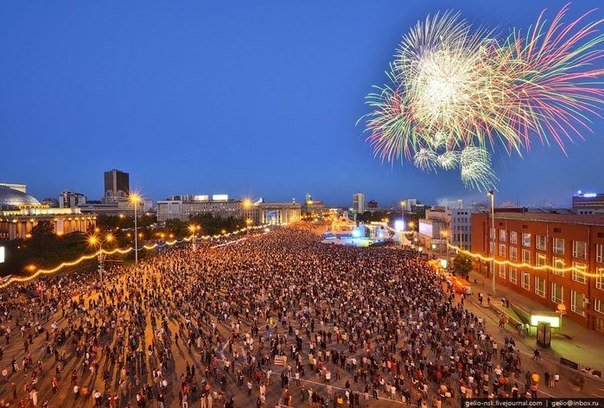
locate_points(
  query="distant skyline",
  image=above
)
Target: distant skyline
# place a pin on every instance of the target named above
(244, 98)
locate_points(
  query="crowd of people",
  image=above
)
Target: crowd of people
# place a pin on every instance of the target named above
(276, 318)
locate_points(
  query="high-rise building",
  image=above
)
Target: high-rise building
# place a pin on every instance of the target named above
(358, 203)
(117, 186)
(588, 203)
(70, 199)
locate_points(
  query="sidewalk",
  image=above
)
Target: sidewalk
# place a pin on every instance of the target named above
(582, 345)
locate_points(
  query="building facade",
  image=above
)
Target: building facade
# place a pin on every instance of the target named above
(117, 186)
(20, 213)
(70, 199)
(588, 203)
(358, 203)
(538, 240)
(461, 228)
(259, 212)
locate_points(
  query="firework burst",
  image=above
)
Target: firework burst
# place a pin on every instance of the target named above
(455, 92)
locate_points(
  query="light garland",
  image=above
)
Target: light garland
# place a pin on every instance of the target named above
(528, 266)
(121, 251)
(599, 274)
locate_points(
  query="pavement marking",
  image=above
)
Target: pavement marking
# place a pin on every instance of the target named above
(344, 389)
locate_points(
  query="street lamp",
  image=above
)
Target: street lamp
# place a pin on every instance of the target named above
(447, 236)
(194, 228)
(403, 205)
(93, 240)
(492, 195)
(135, 199)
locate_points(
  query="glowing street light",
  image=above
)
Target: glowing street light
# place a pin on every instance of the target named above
(194, 229)
(135, 199)
(93, 240)
(492, 195)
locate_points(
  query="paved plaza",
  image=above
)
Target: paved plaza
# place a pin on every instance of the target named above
(269, 319)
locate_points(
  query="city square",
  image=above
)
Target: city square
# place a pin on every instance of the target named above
(302, 204)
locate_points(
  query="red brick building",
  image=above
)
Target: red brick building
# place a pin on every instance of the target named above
(539, 239)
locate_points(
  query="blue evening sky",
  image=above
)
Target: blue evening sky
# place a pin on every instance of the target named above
(255, 98)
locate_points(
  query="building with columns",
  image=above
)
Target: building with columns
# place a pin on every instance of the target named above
(20, 213)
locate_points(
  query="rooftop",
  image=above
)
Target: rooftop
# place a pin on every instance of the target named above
(582, 219)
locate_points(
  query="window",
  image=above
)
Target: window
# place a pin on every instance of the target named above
(579, 270)
(577, 302)
(525, 280)
(491, 248)
(513, 253)
(559, 264)
(502, 271)
(503, 235)
(598, 307)
(526, 239)
(600, 280)
(558, 246)
(526, 256)
(541, 242)
(513, 237)
(579, 249)
(600, 253)
(513, 275)
(540, 260)
(557, 293)
(540, 286)
(502, 250)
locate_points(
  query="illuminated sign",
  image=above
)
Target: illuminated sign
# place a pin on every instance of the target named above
(203, 197)
(2, 254)
(220, 197)
(554, 321)
(589, 195)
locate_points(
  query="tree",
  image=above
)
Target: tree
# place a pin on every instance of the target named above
(462, 265)
(42, 230)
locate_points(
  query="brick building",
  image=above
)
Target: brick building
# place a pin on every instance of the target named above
(547, 239)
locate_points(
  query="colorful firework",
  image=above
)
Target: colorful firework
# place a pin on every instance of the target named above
(454, 93)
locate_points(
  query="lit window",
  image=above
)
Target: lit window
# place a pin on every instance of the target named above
(513, 253)
(558, 263)
(600, 253)
(526, 239)
(557, 293)
(598, 306)
(540, 260)
(579, 249)
(579, 270)
(513, 237)
(541, 242)
(502, 271)
(502, 250)
(558, 246)
(540, 286)
(577, 302)
(525, 280)
(526, 256)
(502, 235)
(513, 275)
